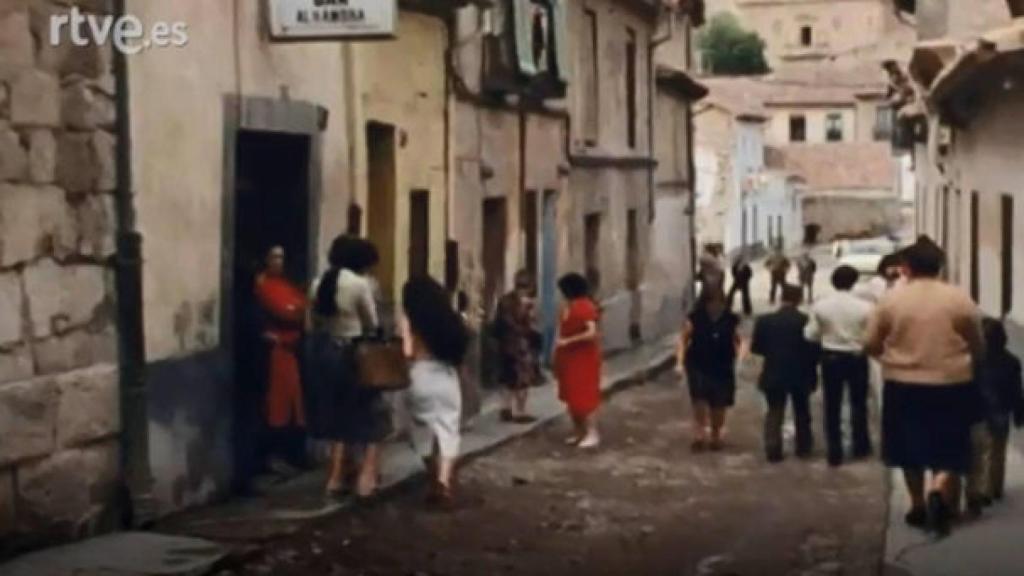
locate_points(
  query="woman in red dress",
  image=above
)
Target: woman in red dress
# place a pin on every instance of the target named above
(284, 311)
(578, 360)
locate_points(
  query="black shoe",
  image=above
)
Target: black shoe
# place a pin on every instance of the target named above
(975, 506)
(917, 518)
(986, 501)
(835, 461)
(862, 454)
(938, 514)
(775, 458)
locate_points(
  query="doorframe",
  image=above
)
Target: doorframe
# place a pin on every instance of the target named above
(262, 114)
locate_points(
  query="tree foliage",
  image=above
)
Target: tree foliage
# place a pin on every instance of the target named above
(727, 49)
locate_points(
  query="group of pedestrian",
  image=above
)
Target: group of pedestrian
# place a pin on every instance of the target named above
(951, 388)
(316, 388)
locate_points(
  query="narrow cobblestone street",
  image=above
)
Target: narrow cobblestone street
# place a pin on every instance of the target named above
(643, 504)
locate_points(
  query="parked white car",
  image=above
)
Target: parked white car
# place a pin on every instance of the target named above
(863, 255)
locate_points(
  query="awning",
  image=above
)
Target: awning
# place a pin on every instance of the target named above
(680, 83)
(930, 58)
(1004, 44)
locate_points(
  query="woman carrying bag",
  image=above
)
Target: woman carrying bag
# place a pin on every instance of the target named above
(339, 408)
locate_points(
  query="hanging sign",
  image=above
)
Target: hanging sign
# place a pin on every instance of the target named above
(312, 20)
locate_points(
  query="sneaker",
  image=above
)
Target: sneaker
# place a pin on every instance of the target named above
(590, 442)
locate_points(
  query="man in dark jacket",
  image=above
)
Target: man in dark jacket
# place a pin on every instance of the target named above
(790, 372)
(742, 274)
(778, 265)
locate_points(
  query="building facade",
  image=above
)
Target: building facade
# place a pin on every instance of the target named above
(482, 138)
(964, 135)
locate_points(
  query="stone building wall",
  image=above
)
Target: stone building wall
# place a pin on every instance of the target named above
(59, 415)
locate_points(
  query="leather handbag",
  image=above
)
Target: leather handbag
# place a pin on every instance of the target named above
(381, 364)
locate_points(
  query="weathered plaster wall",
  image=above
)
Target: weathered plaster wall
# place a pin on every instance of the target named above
(836, 25)
(59, 405)
(856, 213)
(179, 164)
(402, 83)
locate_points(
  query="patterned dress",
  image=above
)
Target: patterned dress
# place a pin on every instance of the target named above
(518, 342)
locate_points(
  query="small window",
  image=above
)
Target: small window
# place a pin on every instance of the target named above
(631, 86)
(834, 128)
(1007, 253)
(883, 123)
(806, 36)
(797, 128)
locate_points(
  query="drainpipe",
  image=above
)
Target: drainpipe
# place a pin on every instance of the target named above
(135, 491)
(652, 88)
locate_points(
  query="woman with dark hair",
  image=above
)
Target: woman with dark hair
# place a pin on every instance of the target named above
(338, 408)
(708, 348)
(578, 360)
(519, 348)
(927, 335)
(436, 340)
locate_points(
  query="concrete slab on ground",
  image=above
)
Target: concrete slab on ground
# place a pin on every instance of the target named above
(988, 546)
(126, 553)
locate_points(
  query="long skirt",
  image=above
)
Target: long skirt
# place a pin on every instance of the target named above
(927, 427)
(337, 407)
(435, 404)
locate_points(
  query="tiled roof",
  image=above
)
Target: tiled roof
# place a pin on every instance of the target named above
(838, 166)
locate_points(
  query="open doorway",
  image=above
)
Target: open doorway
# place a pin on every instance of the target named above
(381, 149)
(271, 208)
(419, 233)
(495, 233)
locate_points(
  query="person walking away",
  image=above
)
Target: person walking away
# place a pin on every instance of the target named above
(838, 323)
(790, 373)
(742, 274)
(435, 339)
(778, 266)
(711, 273)
(578, 360)
(709, 347)
(888, 275)
(283, 307)
(338, 409)
(927, 334)
(807, 268)
(519, 344)
(999, 380)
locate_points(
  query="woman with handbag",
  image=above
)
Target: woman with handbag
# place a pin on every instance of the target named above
(339, 408)
(435, 340)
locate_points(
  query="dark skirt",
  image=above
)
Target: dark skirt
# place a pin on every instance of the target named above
(927, 427)
(337, 408)
(714, 390)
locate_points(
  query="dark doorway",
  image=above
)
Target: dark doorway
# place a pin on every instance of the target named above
(975, 256)
(530, 230)
(633, 273)
(272, 208)
(591, 254)
(495, 232)
(419, 233)
(1007, 252)
(381, 160)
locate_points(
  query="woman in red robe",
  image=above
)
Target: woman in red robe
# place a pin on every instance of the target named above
(578, 360)
(284, 309)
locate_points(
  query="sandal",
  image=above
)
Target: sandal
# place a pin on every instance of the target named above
(698, 446)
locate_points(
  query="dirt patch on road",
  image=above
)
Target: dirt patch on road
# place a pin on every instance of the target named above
(641, 505)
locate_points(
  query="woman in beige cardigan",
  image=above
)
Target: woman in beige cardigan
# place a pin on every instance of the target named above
(927, 335)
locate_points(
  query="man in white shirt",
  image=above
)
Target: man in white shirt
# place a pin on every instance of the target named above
(839, 322)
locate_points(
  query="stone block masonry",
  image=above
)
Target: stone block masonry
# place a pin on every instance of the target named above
(59, 402)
